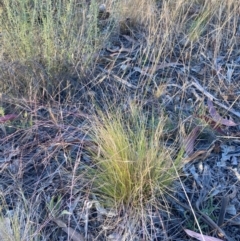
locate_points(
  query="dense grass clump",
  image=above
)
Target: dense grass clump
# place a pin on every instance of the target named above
(132, 164)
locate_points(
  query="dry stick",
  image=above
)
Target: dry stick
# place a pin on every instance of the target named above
(211, 223)
(123, 81)
(200, 88)
(224, 204)
(211, 97)
(207, 219)
(118, 79)
(228, 108)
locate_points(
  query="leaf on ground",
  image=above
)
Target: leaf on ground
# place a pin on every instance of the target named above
(200, 237)
(7, 118)
(213, 124)
(73, 234)
(217, 118)
(189, 141)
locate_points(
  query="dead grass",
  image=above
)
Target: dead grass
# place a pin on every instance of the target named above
(20, 222)
(104, 104)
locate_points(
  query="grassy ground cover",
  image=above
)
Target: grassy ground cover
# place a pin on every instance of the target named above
(119, 120)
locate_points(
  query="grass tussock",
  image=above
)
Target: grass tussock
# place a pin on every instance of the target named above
(132, 165)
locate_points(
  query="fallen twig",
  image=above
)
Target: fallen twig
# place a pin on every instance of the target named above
(211, 97)
(118, 79)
